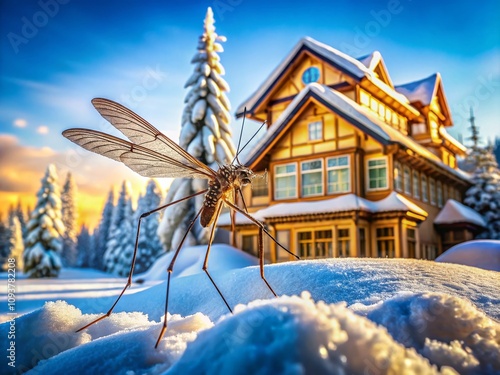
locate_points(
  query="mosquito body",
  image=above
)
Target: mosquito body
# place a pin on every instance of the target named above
(152, 154)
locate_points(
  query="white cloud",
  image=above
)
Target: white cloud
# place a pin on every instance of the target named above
(20, 123)
(42, 129)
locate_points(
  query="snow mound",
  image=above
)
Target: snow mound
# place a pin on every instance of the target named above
(429, 333)
(190, 261)
(483, 254)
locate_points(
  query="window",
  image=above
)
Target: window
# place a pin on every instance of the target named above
(377, 174)
(259, 185)
(283, 237)
(362, 242)
(416, 185)
(432, 191)
(453, 237)
(343, 242)
(407, 181)
(439, 194)
(338, 174)
(285, 181)
(385, 242)
(315, 244)
(364, 98)
(398, 177)
(310, 75)
(315, 130)
(312, 178)
(249, 244)
(425, 196)
(411, 242)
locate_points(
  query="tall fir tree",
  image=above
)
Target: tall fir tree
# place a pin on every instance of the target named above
(15, 244)
(84, 245)
(4, 240)
(102, 233)
(149, 243)
(22, 218)
(205, 134)
(121, 258)
(45, 230)
(69, 218)
(120, 212)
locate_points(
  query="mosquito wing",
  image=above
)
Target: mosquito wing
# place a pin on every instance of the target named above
(142, 133)
(146, 162)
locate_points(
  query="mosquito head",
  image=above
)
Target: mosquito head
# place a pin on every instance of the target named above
(245, 175)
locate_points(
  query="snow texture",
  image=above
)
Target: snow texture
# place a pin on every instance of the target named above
(483, 254)
(45, 230)
(205, 135)
(404, 316)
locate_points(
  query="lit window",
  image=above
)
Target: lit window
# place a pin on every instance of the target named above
(407, 181)
(385, 242)
(338, 174)
(416, 185)
(315, 130)
(432, 191)
(343, 242)
(315, 244)
(388, 115)
(411, 242)
(374, 105)
(259, 185)
(381, 110)
(364, 98)
(362, 242)
(312, 178)
(310, 75)
(285, 181)
(377, 174)
(425, 196)
(398, 177)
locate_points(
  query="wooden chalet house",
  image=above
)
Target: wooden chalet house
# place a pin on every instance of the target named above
(356, 166)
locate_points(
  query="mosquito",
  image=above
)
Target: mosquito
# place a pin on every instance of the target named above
(152, 154)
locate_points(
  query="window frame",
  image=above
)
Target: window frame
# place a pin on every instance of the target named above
(398, 176)
(338, 168)
(424, 188)
(416, 184)
(407, 181)
(322, 179)
(276, 176)
(318, 128)
(385, 159)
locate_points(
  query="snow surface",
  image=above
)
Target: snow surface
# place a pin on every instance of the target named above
(404, 316)
(455, 212)
(483, 254)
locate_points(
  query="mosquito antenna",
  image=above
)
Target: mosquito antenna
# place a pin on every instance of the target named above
(241, 134)
(252, 137)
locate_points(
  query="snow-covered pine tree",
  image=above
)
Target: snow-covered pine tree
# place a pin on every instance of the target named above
(205, 134)
(125, 242)
(69, 218)
(4, 240)
(84, 247)
(117, 229)
(45, 230)
(22, 218)
(484, 195)
(102, 233)
(15, 245)
(149, 243)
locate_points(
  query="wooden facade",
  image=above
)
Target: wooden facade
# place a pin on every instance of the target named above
(337, 126)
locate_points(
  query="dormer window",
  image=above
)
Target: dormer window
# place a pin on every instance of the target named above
(315, 131)
(310, 75)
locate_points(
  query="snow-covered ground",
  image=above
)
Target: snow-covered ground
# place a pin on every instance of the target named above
(483, 254)
(353, 316)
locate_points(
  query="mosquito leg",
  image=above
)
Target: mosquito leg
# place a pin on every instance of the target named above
(260, 225)
(261, 260)
(134, 256)
(205, 263)
(170, 270)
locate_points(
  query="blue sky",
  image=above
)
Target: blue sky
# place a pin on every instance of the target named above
(56, 55)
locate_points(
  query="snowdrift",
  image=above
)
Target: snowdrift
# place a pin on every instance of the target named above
(416, 317)
(483, 254)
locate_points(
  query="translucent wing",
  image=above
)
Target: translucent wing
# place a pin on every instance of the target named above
(146, 162)
(142, 133)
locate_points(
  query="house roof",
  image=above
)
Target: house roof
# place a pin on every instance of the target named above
(350, 66)
(455, 212)
(372, 61)
(394, 202)
(422, 90)
(360, 117)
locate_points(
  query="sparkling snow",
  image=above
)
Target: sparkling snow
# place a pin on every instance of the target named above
(353, 316)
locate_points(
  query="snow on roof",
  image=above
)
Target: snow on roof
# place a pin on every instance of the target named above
(449, 138)
(422, 90)
(344, 203)
(360, 116)
(371, 60)
(348, 64)
(455, 212)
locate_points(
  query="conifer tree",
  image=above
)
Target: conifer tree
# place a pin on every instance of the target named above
(4, 240)
(205, 134)
(69, 218)
(84, 247)
(22, 218)
(15, 245)
(125, 242)
(117, 229)
(45, 230)
(101, 233)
